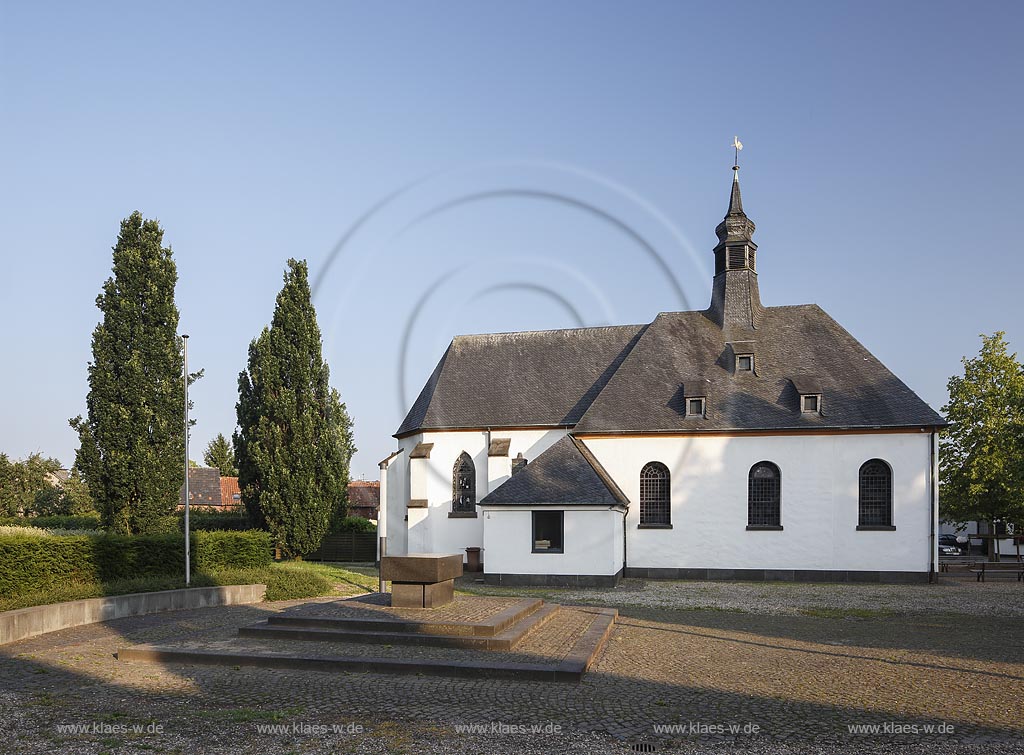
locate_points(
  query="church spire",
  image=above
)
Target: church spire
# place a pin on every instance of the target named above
(735, 300)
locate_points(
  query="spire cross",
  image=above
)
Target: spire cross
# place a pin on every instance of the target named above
(737, 145)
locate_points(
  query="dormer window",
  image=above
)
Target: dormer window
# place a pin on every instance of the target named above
(810, 403)
(695, 407)
(808, 389)
(744, 363)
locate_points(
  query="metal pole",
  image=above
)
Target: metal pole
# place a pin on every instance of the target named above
(188, 570)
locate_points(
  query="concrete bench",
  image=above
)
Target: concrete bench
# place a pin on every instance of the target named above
(422, 580)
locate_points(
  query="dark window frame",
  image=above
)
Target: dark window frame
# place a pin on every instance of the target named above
(764, 496)
(655, 496)
(874, 496)
(703, 407)
(817, 403)
(560, 527)
(464, 485)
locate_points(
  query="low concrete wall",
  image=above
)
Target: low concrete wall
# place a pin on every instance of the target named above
(29, 622)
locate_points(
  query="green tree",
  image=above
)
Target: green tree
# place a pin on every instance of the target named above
(982, 459)
(131, 444)
(21, 482)
(294, 437)
(68, 498)
(220, 454)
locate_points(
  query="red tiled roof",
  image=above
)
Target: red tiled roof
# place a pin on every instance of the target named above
(230, 495)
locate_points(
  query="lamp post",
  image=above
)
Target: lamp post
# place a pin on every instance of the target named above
(188, 570)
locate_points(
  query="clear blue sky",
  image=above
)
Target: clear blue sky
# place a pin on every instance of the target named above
(881, 167)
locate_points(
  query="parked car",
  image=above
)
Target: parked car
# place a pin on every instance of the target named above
(951, 541)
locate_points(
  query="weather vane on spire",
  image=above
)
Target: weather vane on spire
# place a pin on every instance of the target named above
(736, 145)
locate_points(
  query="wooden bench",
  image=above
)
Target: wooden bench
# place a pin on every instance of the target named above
(981, 568)
(945, 563)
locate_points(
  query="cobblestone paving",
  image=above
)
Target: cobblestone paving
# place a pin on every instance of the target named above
(801, 680)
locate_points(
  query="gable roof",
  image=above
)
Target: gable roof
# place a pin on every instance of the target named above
(535, 378)
(203, 487)
(647, 391)
(566, 473)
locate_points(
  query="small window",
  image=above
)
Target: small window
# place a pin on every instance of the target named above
(464, 485)
(764, 497)
(810, 403)
(548, 530)
(745, 363)
(695, 407)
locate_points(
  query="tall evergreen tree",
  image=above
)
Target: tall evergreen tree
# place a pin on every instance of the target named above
(982, 459)
(294, 437)
(221, 455)
(131, 439)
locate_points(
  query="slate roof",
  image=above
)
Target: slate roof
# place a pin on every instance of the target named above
(635, 378)
(647, 391)
(567, 473)
(536, 378)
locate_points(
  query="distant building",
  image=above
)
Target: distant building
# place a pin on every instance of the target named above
(364, 499)
(206, 488)
(230, 494)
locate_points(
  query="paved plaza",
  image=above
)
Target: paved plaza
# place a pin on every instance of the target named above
(834, 677)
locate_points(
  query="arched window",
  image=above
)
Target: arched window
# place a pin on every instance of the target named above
(764, 496)
(875, 496)
(655, 495)
(464, 485)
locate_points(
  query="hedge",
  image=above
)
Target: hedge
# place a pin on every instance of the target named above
(215, 521)
(80, 522)
(353, 524)
(36, 563)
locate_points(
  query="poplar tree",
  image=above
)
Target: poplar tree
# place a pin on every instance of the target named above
(294, 437)
(982, 450)
(131, 440)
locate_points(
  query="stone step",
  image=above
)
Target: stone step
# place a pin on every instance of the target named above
(342, 631)
(492, 626)
(569, 667)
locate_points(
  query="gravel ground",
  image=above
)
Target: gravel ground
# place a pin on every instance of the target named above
(1002, 597)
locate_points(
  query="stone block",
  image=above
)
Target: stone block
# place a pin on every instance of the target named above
(424, 568)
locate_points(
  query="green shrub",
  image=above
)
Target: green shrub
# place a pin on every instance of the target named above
(216, 520)
(231, 550)
(41, 563)
(353, 524)
(81, 522)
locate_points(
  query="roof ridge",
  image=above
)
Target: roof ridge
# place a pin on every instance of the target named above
(550, 330)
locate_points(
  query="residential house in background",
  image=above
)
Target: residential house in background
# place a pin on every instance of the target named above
(364, 499)
(207, 489)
